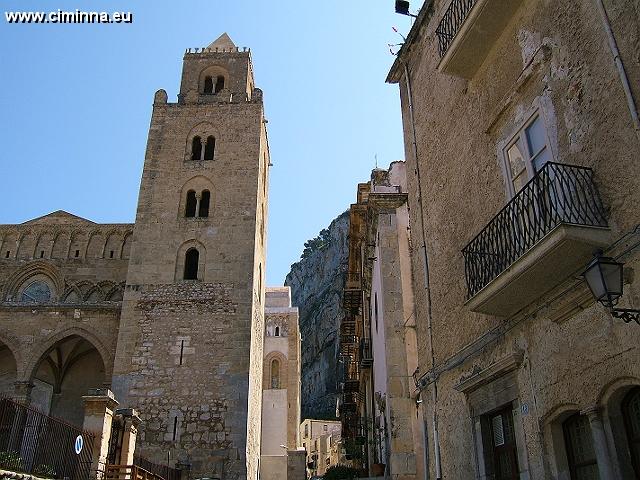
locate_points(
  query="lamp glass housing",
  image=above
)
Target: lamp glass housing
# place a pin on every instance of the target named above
(604, 278)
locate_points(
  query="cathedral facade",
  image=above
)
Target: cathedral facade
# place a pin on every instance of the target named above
(168, 312)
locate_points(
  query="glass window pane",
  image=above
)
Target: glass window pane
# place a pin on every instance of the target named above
(541, 159)
(516, 160)
(36, 292)
(536, 138)
(520, 181)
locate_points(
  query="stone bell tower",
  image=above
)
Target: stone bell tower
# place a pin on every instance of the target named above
(189, 354)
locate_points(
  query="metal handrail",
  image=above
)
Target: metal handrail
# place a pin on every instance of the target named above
(557, 194)
(44, 446)
(453, 18)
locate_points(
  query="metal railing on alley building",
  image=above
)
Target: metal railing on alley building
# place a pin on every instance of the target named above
(43, 446)
(451, 22)
(557, 194)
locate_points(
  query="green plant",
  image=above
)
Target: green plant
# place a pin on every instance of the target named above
(11, 460)
(46, 471)
(321, 241)
(340, 472)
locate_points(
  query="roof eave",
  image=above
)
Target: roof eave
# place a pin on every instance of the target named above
(395, 73)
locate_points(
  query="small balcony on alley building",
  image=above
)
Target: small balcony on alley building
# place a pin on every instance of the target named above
(547, 232)
(468, 30)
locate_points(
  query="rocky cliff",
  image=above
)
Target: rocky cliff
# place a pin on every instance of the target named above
(316, 283)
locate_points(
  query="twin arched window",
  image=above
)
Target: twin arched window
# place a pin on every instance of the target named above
(200, 151)
(197, 206)
(191, 260)
(209, 86)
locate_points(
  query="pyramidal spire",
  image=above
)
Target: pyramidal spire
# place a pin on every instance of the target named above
(223, 42)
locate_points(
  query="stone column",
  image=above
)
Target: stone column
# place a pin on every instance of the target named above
(22, 392)
(131, 424)
(197, 214)
(600, 446)
(99, 405)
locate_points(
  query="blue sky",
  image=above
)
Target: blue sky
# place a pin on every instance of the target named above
(76, 104)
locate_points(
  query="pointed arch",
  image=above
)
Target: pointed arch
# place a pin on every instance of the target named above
(43, 245)
(126, 245)
(275, 372)
(41, 269)
(78, 244)
(95, 245)
(26, 245)
(10, 243)
(41, 350)
(113, 245)
(61, 244)
(64, 369)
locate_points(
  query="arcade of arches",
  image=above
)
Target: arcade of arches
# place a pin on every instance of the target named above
(59, 379)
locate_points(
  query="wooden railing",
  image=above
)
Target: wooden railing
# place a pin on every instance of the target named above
(129, 472)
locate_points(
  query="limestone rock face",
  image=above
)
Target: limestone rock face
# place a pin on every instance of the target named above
(316, 283)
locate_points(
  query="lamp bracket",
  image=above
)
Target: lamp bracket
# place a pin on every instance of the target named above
(626, 314)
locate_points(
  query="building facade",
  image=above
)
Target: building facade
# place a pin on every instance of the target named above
(522, 145)
(167, 312)
(382, 423)
(280, 384)
(321, 440)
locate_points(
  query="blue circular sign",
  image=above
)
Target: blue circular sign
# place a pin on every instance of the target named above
(78, 445)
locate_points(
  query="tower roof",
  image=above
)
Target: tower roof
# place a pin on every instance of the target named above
(223, 42)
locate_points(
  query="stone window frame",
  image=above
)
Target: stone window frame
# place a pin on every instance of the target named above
(203, 130)
(180, 261)
(266, 369)
(198, 184)
(490, 390)
(542, 108)
(213, 71)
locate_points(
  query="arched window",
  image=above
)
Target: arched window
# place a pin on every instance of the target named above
(579, 447)
(203, 210)
(208, 85)
(190, 208)
(277, 334)
(219, 83)
(196, 148)
(36, 292)
(191, 259)
(275, 374)
(209, 148)
(631, 415)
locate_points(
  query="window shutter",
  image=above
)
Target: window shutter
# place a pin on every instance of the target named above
(498, 430)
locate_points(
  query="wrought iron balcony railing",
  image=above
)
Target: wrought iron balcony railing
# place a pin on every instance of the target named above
(366, 356)
(557, 194)
(451, 22)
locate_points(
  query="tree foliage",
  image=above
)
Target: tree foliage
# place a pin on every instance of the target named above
(340, 472)
(315, 244)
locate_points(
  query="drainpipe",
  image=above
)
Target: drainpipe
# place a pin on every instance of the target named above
(624, 79)
(434, 390)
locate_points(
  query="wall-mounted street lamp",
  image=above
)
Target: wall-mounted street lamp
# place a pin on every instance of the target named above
(604, 278)
(402, 7)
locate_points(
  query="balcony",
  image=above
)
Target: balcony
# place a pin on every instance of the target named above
(547, 232)
(351, 377)
(366, 357)
(352, 298)
(467, 32)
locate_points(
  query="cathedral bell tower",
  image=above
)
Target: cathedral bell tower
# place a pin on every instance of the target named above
(189, 354)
